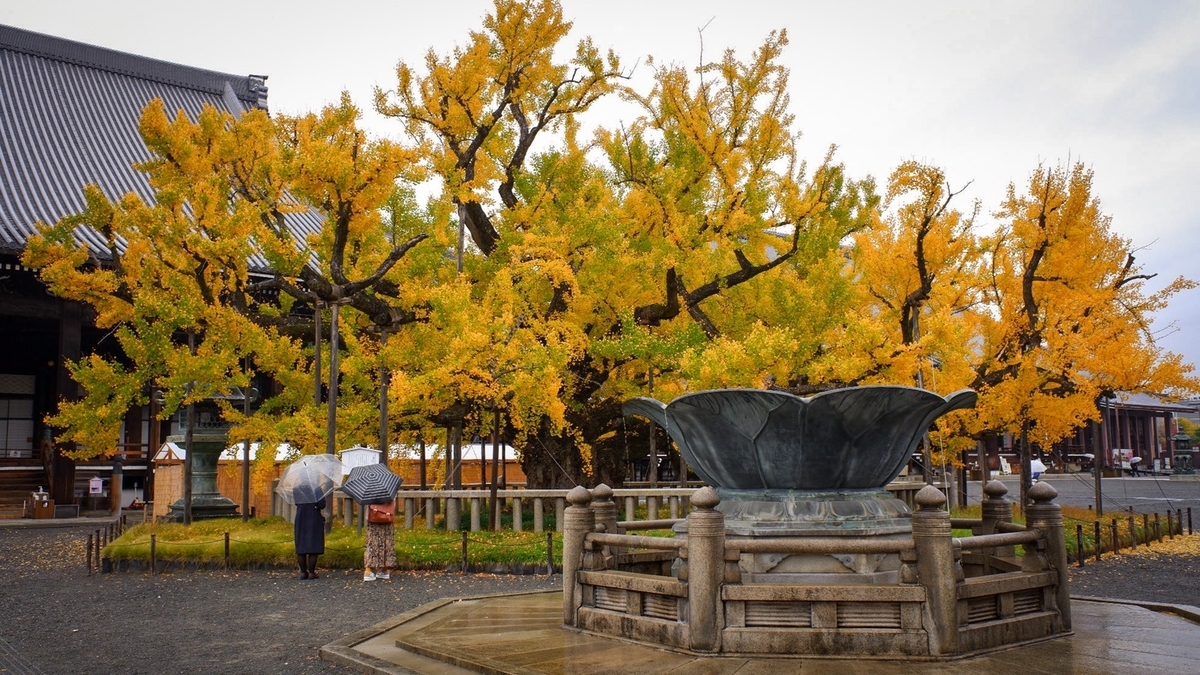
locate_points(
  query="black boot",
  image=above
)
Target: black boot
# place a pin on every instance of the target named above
(302, 559)
(312, 566)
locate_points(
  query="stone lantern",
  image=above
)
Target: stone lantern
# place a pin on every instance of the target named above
(210, 437)
(1183, 454)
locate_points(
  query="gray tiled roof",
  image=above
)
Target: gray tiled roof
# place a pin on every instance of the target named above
(1149, 401)
(69, 116)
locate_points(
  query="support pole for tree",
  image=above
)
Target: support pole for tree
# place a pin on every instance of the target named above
(385, 378)
(316, 353)
(494, 515)
(187, 441)
(1026, 477)
(421, 448)
(458, 457)
(246, 454)
(448, 481)
(1097, 455)
(331, 419)
(652, 474)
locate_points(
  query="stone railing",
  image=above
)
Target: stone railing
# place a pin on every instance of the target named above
(444, 508)
(953, 596)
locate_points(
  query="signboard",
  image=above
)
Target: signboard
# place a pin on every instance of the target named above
(1121, 457)
(95, 486)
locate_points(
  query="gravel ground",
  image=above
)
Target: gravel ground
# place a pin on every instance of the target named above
(56, 619)
(1167, 572)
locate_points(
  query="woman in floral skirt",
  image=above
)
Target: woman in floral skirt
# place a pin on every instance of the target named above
(380, 557)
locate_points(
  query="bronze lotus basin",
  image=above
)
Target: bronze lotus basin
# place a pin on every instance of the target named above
(857, 438)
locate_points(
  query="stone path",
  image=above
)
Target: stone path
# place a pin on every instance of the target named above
(521, 636)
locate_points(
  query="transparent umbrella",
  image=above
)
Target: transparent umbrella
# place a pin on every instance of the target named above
(309, 479)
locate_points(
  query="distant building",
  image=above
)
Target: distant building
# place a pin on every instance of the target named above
(1132, 426)
(68, 117)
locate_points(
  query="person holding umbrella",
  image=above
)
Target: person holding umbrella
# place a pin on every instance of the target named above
(309, 534)
(374, 487)
(306, 483)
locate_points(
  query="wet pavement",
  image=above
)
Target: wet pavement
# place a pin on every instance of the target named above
(521, 635)
(1144, 494)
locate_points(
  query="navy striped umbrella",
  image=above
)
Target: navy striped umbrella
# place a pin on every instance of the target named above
(371, 484)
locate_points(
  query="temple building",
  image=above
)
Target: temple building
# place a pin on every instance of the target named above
(69, 117)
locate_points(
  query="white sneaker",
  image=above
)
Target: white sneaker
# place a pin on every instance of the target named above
(368, 576)
(385, 576)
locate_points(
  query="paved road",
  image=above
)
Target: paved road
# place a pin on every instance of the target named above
(1143, 494)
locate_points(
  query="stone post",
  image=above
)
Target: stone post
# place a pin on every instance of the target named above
(996, 509)
(706, 571)
(578, 520)
(605, 509)
(453, 517)
(936, 570)
(1046, 516)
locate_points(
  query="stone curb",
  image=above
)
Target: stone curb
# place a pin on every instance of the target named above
(108, 565)
(1182, 611)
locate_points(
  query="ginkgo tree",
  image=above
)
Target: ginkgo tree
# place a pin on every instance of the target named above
(552, 274)
(1071, 314)
(919, 277)
(1041, 317)
(302, 195)
(589, 273)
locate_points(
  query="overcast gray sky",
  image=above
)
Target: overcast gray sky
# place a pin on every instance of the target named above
(984, 89)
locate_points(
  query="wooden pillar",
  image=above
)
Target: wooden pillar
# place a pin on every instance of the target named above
(70, 338)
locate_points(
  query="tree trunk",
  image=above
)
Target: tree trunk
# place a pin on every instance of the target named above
(551, 461)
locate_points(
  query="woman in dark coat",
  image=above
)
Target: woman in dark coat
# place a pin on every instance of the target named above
(310, 537)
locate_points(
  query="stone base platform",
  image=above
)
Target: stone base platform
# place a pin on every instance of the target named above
(522, 635)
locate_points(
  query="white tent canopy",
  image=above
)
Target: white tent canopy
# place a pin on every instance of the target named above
(470, 451)
(284, 452)
(176, 451)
